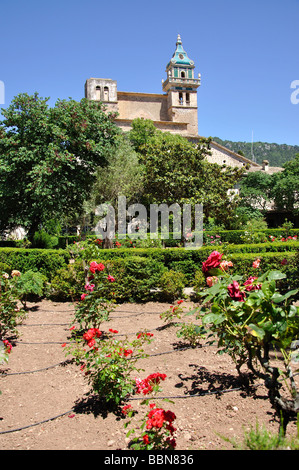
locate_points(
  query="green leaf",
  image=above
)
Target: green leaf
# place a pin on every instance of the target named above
(293, 311)
(280, 298)
(256, 331)
(215, 318)
(276, 275)
(255, 298)
(268, 288)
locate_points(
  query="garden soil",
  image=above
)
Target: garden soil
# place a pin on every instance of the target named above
(46, 404)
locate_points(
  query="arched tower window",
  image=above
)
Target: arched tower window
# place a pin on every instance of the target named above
(98, 93)
(106, 93)
(183, 75)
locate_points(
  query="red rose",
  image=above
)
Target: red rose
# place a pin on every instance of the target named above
(213, 261)
(94, 266)
(249, 284)
(234, 292)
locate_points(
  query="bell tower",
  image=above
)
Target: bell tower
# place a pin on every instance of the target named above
(181, 89)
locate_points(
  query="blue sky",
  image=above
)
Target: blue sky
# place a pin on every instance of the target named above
(246, 52)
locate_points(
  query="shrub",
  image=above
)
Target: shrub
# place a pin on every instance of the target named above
(249, 316)
(47, 262)
(108, 363)
(172, 285)
(136, 277)
(68, 282)
(42, 239)
(29, 285)
(10, 313)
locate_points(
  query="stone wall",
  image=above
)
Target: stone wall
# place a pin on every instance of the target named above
(142, 105)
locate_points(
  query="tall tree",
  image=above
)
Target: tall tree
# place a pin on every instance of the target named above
(255, 191)
(48, 158)
(177, 171)
(285, 187)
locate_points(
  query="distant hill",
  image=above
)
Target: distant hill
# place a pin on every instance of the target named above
(276, 154)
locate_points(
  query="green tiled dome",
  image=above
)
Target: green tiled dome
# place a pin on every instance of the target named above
(180, 56)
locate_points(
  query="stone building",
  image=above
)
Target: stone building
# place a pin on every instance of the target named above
(174, 111)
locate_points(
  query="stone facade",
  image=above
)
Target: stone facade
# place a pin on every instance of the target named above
(174, 111)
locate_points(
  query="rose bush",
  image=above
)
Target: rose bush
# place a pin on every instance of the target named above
(11, 315)
(108, 363)
(94, 308)
(157, 430)
(249, 318)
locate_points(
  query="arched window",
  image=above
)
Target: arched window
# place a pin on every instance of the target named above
(106, 93)
(183, 75)
(181, 98)
(98, 93)
(188, 98)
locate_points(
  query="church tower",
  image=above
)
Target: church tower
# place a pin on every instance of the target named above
(181, 89)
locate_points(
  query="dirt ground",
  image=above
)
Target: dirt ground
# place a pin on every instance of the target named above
(45, 403)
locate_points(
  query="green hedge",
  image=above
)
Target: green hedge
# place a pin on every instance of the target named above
(189, 261)
(135, 279)
(138, 271)
(228, 236)
(47, 262)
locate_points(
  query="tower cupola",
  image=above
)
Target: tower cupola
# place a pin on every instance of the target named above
(180, 70)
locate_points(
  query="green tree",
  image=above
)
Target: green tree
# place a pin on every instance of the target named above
(177, 171)
(123, 176)
(48, 157)
(284, 190)
(255, 192)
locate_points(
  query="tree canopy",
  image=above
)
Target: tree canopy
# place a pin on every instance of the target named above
(48, 158)
(177, 171)
(280, 189)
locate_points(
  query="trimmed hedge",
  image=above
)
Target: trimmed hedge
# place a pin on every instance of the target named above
(47, 262)
(135, 279)
(138, 271)
(189, 261)
(226, 236)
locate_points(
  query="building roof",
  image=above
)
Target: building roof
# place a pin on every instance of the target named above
(180, 56)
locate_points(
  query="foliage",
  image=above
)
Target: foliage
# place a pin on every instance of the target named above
(199, 281)
(48, 157)
(121, 177)
(29, 284)
(165, 158)
(47, 262)
(255, 191)
(68, 282)
(172, 285)
(11, 315)
(191, 333)
(42, 239)
(276, 154)
(285, 187)
(260, 439)
(5, 350)
(158, 432)
(249, 318)
(258, 189)
(108, 363)
(94, 308)
(174, 311)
